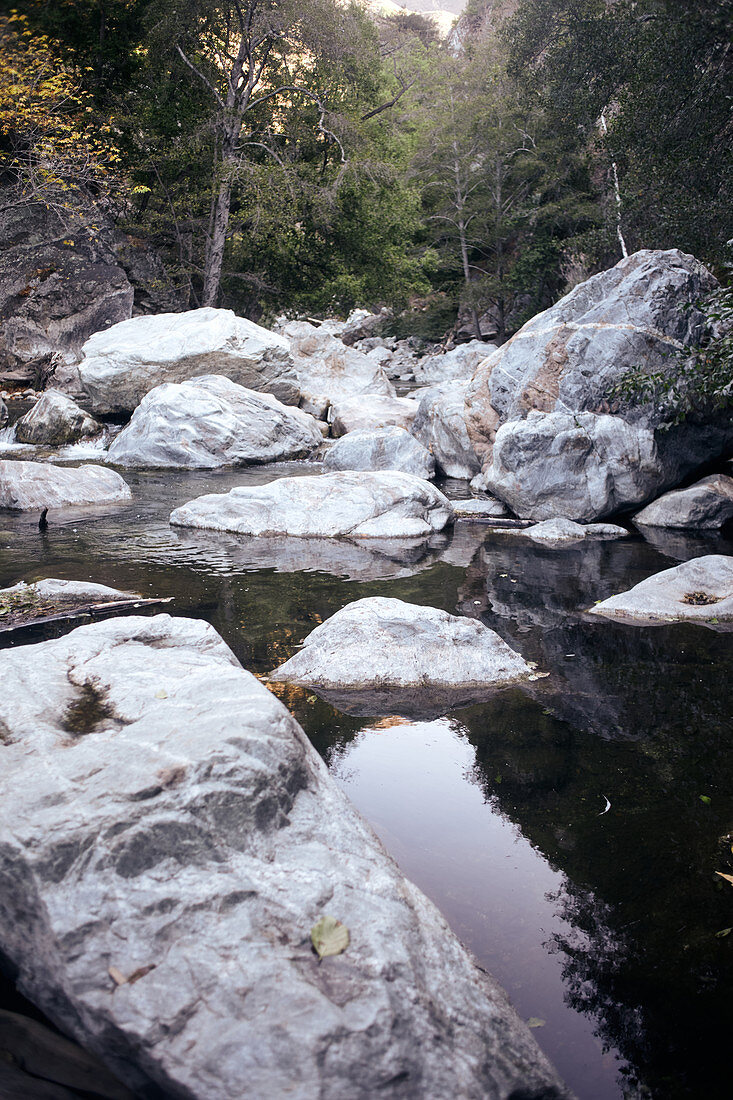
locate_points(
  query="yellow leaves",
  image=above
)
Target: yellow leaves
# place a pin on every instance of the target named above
(43, 109)
(728, 878)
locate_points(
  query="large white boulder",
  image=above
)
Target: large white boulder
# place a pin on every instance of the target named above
(31, 486)
(458, 364)
(387, 504)
(700, 591)
(578, 465)
(359, 414)
(386, 643)
(329, 371)
(211, 421)
(381, 449)
(170, 838)
(54, 421)
(566, 362)
(123, 363)
(706, 505)
(440, 425)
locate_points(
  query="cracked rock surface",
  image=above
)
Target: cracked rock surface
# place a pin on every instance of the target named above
(169, 839)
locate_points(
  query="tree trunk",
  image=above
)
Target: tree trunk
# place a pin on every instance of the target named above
(215, 251)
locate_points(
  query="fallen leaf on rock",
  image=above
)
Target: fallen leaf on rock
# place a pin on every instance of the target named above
(116, 975)
(329, 937)
(162, 694)
(536, 1021)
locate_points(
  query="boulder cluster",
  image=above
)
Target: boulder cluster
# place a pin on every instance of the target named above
(174, 836)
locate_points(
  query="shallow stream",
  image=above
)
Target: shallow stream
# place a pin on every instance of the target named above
(570, 831)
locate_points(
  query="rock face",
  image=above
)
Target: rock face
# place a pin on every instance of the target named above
(386, 643)
(357, 505)
(58, 285)
(55, 420)
(358, 414)
(211, 421)
(3, 413)
(31, 486)
(564, 363)
(171, 839)
(706, 505)
(125, 362)
(458, 364)
(700, 590)
(382, 449)
(577, 464)
(329, 371)
(440, 426)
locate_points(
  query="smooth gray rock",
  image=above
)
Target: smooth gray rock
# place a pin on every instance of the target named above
(386, 643)
(566, 361)
(440, 426)
(458, 364)
(706, 505)
(166, 819)
(54, 421)
(579, 465)
(3, 413)
(328, 370)
(700, 591)
(566, 530)
(381, 449)
(123, 363)
(30, 486)
(369, 412)
(387, 504)
(211, 421)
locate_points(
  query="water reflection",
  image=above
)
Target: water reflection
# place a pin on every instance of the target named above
(594, 922)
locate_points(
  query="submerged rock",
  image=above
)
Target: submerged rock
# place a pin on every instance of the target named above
(211, 421)
(58, 591)
(386, 643)
(440, 426)
(171, 837)
(566, 530)
(123, 363)
(369, 412)
(700, 590)
(564, 363)
(704, 506)
(31, 486)
(54, 421)
(387, 504)
(381, 449)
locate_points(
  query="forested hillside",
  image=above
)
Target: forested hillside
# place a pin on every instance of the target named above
(311, 157)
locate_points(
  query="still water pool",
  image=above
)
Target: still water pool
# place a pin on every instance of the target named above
(570, 831)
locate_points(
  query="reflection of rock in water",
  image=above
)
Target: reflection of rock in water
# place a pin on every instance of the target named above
(418, 703)
(682, 545)
(642, 957)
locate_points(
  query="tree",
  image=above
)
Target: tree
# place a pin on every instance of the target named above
(54, 142)
(261, 64)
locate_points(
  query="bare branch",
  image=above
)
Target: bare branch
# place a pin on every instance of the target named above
(201, 77)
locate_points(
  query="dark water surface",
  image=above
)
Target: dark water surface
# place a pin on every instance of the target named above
(604, 927)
